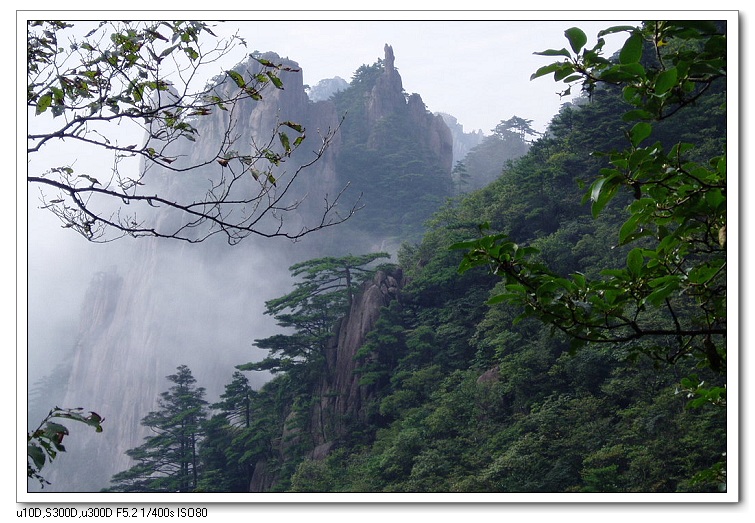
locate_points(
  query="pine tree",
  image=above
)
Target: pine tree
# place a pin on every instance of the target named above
(226, 467)
(236, 402)
(323, 296)
(168, 461)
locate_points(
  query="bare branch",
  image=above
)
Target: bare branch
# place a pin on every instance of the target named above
(140, 75)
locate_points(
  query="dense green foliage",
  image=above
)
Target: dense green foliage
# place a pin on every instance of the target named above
(476, 398)
(399, 175)
(224, 466)
(322, 296)
(168, 461)
(671, 293)
(483, 163)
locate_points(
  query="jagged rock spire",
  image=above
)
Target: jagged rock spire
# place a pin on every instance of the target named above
(389, 59)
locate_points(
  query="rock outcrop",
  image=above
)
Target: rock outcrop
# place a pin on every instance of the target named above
(463, 142)
(326, 88)
(388, 98)
(340, 399)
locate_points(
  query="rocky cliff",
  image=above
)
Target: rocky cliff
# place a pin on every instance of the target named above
(339, 399)
(388, 98)
(463, 141)
(395, 153)
(326, 88)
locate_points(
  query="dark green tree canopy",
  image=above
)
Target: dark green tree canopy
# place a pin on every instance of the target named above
(235, 402)
(460, 395)
(517, 125)
(228, 434)
(168, 460)
(674, 283)
(323, 295)
(460, 386)
(402, 178)
(669, 298)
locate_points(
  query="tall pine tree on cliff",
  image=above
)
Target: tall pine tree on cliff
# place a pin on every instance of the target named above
(168, 460)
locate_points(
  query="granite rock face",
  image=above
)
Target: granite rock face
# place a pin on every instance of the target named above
(388, 98)
(341, 396)
(340, 399)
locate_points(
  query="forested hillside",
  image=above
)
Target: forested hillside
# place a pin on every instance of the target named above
(448, 390)
(394, 152)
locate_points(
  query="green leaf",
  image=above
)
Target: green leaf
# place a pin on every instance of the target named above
(44, 103)
(603, 190)
(637, 114)
(628, 229)
(554, 52)
(577, 38)
(285, 142)
(516, 288)
(624, 73)
(295, 126)
(37, 455)
(632, 50)
(565, 71)
(276, 81)
(53, 428)
(703, 273)
(664, 280)
(236, 77)
(635, 261)
(168, 51)
(499, 298)
(720, 165)
(616, 29)
(266, 63)
(569, 79)
(58, 95)
(546, 69)
(661, 293)
(639, 132)
(715, 198)
(680, 149)
(191, 53)
(665, 80)
(253, 93)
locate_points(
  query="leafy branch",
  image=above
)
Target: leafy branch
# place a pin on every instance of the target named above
(45, 442)
(673, 287)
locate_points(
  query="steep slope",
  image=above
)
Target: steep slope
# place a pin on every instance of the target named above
(338, 401)
(465, 396)
(167, 310)
(394, 152)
